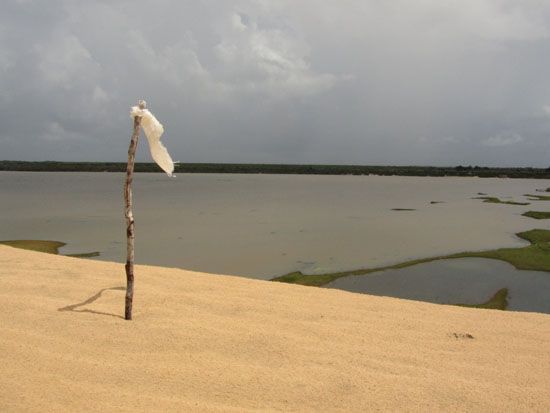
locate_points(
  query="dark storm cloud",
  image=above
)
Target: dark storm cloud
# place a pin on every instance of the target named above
(355, 81)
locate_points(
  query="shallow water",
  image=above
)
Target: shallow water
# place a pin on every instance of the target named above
(462, 280)
(266, 225)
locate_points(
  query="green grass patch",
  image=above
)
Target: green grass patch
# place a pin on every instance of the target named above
(49, 247)
(537, 214)
(499, 301)
(495, 200)
(531, 197)
(317, 280)
(534, 257)
(535, 236)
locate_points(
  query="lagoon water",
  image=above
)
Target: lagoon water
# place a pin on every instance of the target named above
(266, 225)
(453, 281)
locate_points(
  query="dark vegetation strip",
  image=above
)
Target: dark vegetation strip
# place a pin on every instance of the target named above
(534, 257)
(481, 171)
(537, 197)
(537, 214)
(499, 301)
(50, 247)
(495, 200)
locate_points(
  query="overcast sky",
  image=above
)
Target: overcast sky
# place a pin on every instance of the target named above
(436, 82)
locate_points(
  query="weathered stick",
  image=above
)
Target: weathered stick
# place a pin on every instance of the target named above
(130, 216)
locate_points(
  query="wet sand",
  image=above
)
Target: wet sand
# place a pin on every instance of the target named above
(203, 342)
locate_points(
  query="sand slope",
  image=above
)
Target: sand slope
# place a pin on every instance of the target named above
(217, 343)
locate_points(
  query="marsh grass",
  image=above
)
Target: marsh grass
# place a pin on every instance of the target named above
(531, 197)
(49, 247)
(537, 214)
(534, 257)
(499, 301)
(495, 200)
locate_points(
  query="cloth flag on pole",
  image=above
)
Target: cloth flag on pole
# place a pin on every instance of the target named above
(153, 130)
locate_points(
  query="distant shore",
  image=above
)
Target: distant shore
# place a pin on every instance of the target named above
(301, 169)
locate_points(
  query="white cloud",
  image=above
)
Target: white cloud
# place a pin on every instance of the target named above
(175, 62)
(436, 140)
(175, 65)
(248, 80)
(99, 95)
(267, 60)
(449, 139)
(497, 20)
(503, 139)
(55, 132)
(6, 59)
(238, 22)
(248, 60)
(64, 61)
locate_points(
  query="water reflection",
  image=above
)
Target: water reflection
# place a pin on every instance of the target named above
(263, 226)
(464, 280)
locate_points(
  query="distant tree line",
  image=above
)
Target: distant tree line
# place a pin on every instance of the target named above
(481, 171)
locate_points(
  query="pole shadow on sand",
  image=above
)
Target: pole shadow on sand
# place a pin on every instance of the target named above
(74, 307)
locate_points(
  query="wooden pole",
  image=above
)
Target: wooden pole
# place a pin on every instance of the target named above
(130, 217)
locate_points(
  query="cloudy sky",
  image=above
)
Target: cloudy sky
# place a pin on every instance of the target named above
(439, 82)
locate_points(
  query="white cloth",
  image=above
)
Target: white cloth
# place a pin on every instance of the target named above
(153, 131)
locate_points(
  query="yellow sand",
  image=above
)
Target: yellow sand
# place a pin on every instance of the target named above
(217, 343)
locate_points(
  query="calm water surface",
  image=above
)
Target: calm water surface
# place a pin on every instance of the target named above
(265, 225)
(464, 280)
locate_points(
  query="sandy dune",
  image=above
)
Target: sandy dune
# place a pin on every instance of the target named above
(217, 343)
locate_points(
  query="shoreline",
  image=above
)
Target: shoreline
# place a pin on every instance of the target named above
(293, 169)
(339, 224)
(531, 257)
(522, 258)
